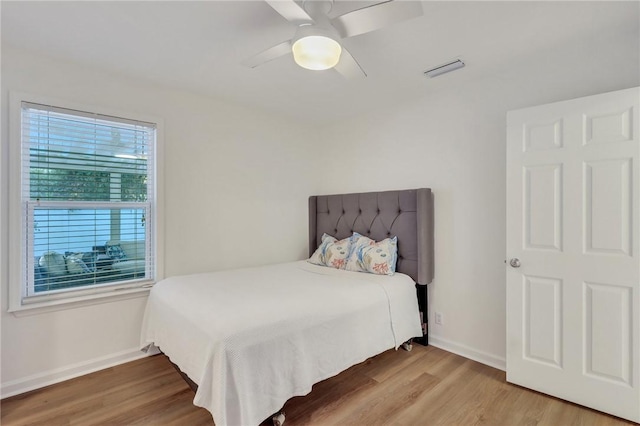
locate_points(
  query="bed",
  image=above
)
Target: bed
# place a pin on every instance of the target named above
(253, 338)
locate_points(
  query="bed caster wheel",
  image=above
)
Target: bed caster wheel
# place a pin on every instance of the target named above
(278, 419)
(407, 346)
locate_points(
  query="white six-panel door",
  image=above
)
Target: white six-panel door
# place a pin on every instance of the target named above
(573, 292)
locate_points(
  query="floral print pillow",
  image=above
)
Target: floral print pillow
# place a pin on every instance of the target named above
(331, 252)
(366, 255)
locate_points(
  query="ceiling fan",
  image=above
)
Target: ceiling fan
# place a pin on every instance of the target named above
(316, 43)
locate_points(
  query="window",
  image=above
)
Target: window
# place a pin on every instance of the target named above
(88, 205)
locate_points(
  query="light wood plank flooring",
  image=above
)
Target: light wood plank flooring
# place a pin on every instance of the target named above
(427, 386)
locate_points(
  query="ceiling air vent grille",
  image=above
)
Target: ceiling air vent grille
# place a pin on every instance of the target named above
(445, 68)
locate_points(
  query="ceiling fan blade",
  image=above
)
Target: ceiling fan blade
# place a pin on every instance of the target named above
(268, 55)
(290, 10)
(348, 66)
(375, 17)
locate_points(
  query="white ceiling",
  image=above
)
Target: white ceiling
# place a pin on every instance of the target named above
(198, 46)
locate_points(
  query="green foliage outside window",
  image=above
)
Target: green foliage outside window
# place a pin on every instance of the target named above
(84, 185)
(134, 187)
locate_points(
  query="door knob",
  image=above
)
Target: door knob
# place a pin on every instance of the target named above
(515, 262)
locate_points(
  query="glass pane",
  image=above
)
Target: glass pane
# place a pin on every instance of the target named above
(91, 166)
(84, 157)
(83, 247)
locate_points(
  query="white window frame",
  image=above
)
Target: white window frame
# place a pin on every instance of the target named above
(18, 265)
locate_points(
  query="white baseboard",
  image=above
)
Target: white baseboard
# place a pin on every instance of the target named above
(36, 381)
(40, 380)
(468, 352)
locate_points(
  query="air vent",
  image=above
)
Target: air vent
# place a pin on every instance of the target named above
(445, 68)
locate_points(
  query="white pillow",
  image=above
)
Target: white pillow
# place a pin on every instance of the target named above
(331, 252)
(53, 263)
(366, 255)
(75, 264)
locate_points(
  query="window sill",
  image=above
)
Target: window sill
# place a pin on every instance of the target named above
(27, 309)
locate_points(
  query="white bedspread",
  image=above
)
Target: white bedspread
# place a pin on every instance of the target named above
(254, 338)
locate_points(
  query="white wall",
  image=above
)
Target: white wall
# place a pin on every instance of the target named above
(225, 166)
(453, 141)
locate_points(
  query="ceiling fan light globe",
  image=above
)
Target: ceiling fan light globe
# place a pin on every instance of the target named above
(316, 52)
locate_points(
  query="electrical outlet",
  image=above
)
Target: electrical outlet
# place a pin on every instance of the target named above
(438, 318)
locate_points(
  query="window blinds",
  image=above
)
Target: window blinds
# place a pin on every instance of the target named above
(87, 188)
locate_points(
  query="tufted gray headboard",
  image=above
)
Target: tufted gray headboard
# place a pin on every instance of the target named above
(407, 214)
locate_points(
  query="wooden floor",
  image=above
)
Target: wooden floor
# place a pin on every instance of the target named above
(427, 386)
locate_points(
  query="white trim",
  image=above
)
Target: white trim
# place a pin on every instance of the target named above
(40, 380)
(36, 381)
(16, 237)
(17, 240)
(463, 350)
(158, 206)
(53, 305)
